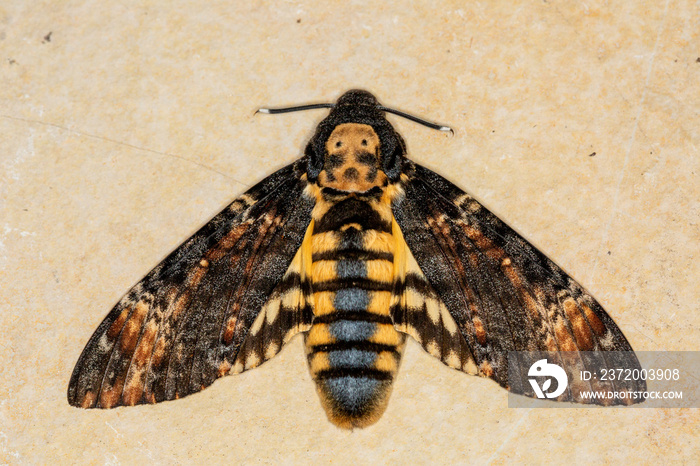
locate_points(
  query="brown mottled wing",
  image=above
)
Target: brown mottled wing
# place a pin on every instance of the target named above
(183, 325)
(503, 294)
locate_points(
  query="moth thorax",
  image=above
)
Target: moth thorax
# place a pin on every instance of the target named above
(352, 159)
(352, 347)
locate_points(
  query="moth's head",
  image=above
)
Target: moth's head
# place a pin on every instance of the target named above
(355, 147)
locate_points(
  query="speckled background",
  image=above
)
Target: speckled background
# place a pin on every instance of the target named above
(125, 128)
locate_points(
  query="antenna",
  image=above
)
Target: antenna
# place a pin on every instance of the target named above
(416, 119)
(299, 108)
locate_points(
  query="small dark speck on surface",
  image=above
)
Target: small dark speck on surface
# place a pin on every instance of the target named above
(609, 253)
(47, 37)
(11, 61)
(698, 60)
(298, 20)
(591, 154)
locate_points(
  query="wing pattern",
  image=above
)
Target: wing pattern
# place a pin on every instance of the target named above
(503, 294)
(419, 312)
(182, 326)
(287, 312)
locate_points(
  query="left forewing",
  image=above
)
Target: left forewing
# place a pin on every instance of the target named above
(503, 294)
(183, 325)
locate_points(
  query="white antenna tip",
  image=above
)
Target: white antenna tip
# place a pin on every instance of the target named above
(263, 110)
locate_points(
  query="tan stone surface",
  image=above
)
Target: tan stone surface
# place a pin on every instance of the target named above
(132, 126)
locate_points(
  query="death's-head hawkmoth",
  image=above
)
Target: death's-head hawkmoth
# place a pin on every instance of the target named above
(355, 246)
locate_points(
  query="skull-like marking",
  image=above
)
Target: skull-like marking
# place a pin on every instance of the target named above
(352, 161)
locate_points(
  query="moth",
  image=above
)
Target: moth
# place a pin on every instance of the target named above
(357, 247)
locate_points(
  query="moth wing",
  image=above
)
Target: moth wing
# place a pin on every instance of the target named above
(287, 312)
(418, 311)
(503, 294)
(183, 325)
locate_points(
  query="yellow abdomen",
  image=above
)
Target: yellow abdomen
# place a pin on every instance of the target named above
(352, 347)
